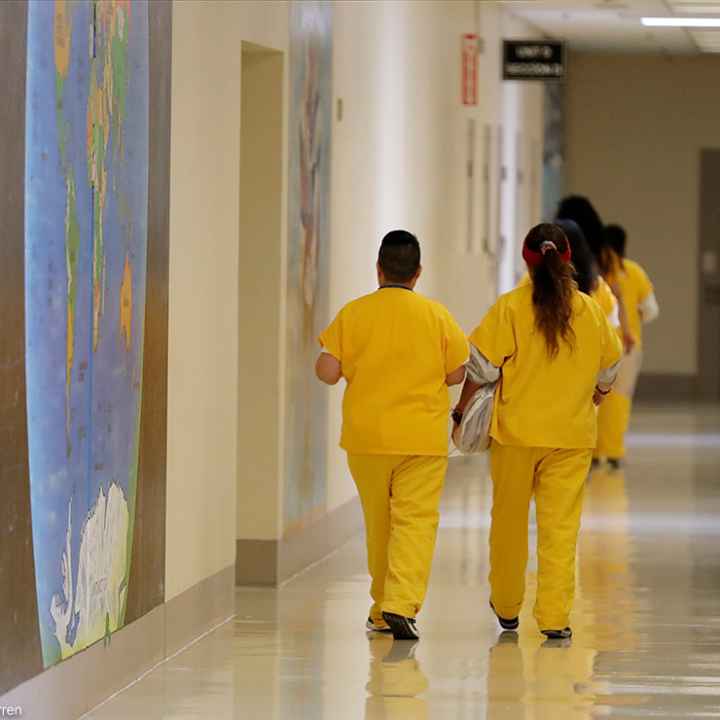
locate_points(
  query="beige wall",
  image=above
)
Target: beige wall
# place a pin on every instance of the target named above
(635, 127)
(399, 160)
(204, 242)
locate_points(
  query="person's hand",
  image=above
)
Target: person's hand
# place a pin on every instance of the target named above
(599, 396)
(629, 342)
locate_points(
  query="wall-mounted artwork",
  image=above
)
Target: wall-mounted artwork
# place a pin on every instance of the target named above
(86, 186)
(92, 250)
(308, 256)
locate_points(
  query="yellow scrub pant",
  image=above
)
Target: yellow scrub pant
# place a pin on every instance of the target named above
(400, 497)
(557, 479)
(614, 411)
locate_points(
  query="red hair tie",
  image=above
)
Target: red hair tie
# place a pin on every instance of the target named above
(534, 257)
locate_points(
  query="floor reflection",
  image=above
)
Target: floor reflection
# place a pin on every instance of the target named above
(395, 681)
(646, 617)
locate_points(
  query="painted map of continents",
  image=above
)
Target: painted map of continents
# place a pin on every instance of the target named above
(86, 190)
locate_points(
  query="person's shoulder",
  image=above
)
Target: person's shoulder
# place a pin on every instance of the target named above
(634, 268)
(358, 306)
(435, 307)
(588, 304)
(602, 286)
(521, 295)
(362, 301)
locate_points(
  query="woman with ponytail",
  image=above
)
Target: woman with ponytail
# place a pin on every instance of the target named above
(586, 275)
(555, 355)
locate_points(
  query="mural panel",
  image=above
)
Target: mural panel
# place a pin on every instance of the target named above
(19, 642)
(84, 196)
(308, 246)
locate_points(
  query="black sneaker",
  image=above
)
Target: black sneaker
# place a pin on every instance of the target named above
(614, 463)
(372, 626)
(511, 624)
(565, 634)
(403, 628)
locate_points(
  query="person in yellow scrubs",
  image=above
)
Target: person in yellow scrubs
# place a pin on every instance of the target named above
(555, 355)
(579, 209)
(398, 353)
(586, 274)
(642, 307)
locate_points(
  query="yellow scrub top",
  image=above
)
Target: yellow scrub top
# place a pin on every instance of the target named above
(602, 294)
(635, 287)
(396, 349)
(604, 297)
(542, 401)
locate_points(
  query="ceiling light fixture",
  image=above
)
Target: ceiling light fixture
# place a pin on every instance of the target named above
(680, 22)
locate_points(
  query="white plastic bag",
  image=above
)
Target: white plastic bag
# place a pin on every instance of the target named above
(472, 435)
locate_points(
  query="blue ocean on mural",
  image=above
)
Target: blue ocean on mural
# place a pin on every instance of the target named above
(85, 249)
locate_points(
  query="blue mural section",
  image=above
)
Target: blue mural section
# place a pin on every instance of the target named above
(86, 186)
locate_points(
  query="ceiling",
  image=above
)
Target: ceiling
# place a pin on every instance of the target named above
(614, 25)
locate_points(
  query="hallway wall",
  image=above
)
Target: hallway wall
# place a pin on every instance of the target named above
(204, 231)
(635, 127)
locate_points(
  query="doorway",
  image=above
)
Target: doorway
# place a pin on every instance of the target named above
(261, 301)
(709, 280)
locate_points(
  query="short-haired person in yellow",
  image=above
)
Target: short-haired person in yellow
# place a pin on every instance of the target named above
(398, 352)
(641, 306)
(555, 355)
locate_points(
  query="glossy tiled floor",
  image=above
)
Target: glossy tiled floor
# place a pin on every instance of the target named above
(647, 617)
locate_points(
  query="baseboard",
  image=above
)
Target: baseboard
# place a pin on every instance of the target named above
(271, 562)
(664, 387)
(308, 545)
(72, 688)
(256, 562)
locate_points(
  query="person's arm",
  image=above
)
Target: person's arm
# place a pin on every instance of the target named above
(649, 309)
(328, 369)
(328, 366)
(456, 350)
(480, 371)
(456, 376)
(605, 381)
(627, 336)
(610, 362)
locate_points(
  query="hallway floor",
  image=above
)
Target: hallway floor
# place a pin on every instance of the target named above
(646, 620)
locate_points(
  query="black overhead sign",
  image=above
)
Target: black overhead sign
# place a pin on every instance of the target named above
(533, 60)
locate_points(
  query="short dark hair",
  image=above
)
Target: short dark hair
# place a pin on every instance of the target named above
(616, 238)
(399, 257)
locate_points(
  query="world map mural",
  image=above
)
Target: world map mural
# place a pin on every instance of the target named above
(86, 236)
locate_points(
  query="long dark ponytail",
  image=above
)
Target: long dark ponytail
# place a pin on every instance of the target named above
(586, 272)
(582, 211)
(547, 252)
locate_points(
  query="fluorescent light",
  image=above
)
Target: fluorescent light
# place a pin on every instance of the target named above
(678, 22)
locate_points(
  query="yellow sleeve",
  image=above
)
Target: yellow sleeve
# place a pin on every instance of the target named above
(644, 286)
(457, 349)
(331, 338)
(494, 337)
(605, 298)
(612, 348)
